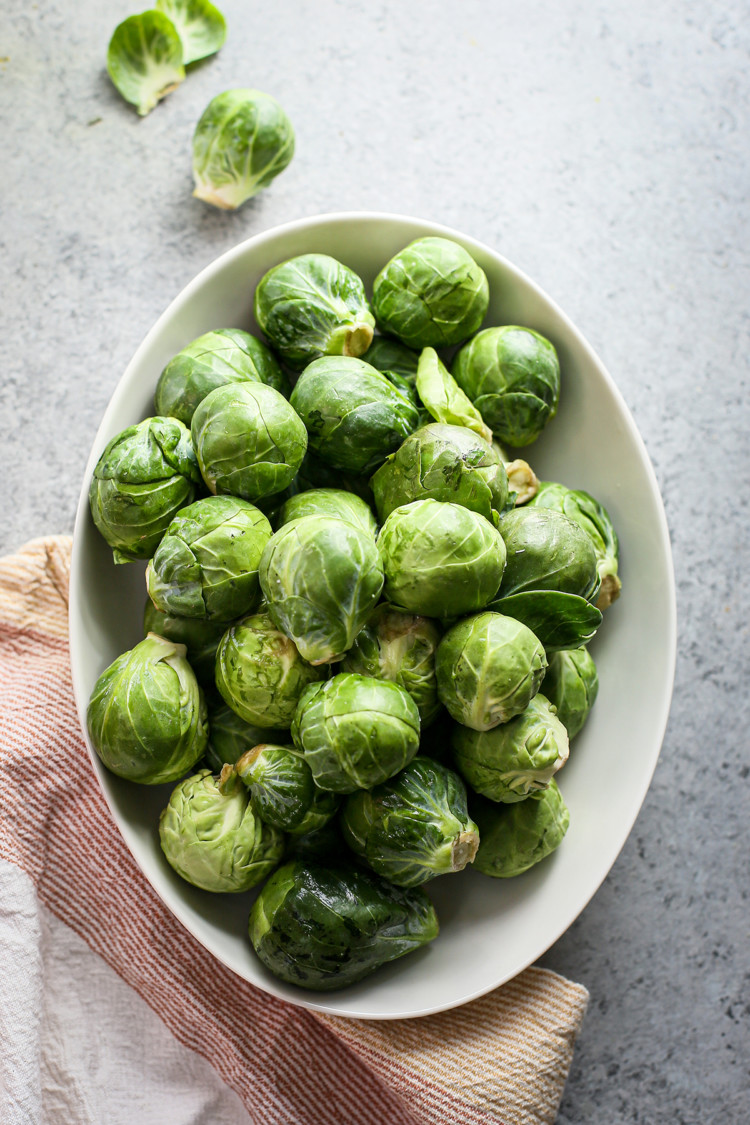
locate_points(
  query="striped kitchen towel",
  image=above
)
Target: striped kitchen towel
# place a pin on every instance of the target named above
(110, 1010)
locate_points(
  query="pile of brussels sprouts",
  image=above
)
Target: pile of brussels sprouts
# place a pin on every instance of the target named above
(366, 625)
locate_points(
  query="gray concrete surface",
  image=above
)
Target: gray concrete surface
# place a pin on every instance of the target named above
(603, 148)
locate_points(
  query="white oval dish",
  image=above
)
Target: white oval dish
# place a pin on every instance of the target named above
(490, 929)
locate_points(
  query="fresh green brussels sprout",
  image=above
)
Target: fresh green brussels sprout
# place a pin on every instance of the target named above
(212, 837)
(489, 668)
(400, 647)
(594, 518)
(512, 375)
(282, 790)
(440, 560)
(241, 142)
(214, 359)
(207, 563)
(329, 502)
(354, 415)
(248, 440)
(321, 577)
(512, 838)
(355, 731)
(571, 685)
(142, 479)
(559, 620)
(201, 26)
(324, 928)
(547, 551)
(444, 399)
(413, 827)
(145, 59)
(447, 463)
(389, 356)
(314, 473)
(147, 716)
(311, 306)
(229, 736)
(431, 294)
(512, 760)
(260, 674)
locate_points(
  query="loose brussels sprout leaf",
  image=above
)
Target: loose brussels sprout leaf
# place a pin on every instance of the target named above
(229, 737)
(227, 355)
(547, 551)
(571, 685)
(489, 668)
(443, 397)
(260, 674)
(399, 647)
(355, 731)
(248, 440)
(282, 790)
(147, 717)
(515, 837)
(313, 306)
(201, 27)
(330, 502)
(145, 59)
(314, 473)
(390, 356)
(440, 560)
(447, 463)
(516, 758)
(324, 928)
(321, 577)
(413, 827)
(560, 621)
(200, 638)
(213, 839)
(431, 295)
(354, 415)
(241, 143)
(512, 375)
(142, 479)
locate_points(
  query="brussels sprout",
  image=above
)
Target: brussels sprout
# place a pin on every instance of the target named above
(142, 479)
(444, 399)
(354, 416)
(547, 551)
(447, 463)
(413, 827)
(440, 560)
(593, 517)
(260, 674)
(200, 638)
(431, 294)
(489, 668)
(512, 375)
(327, 927)
(355, 731)
(314, 473)
(329, 502)
(241, 142)
(313, 306)
(147, 717)
(515, 837)
(560, 621)
(145, 59)
(229, 737)
(212, 837)
(201, 26)
(207, 563)
(227, 355)
(282, 790)
(248, 440)
(390, 356)
(571, 685)
(400, 647)
(321, 577)
(510, 761)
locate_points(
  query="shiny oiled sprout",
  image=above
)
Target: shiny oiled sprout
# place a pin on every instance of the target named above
(389, 355)
(329, 502)
(489, 668)
(514, 838)
(516, 758)
(571, 685)
(431, 294)
(211, 836)
(311, 306)
(260, 674)
(201, 26)
(547, 551)
(440, 560)
(282, 790)
(355, 731)
(241, 143)
(559, 620)
(413, 827)
(145, 59)
(248, 440)
(321, 577)
(324, 928)
(229, 736)
(444, 399)
(147, 717)
(199, 636)
(142, 479)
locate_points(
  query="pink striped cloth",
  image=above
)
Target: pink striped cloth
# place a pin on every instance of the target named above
(502, 1058)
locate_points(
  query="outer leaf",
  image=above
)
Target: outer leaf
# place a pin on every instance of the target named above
(559, 620)
(145, 60)
(201, 27)
(443, 397)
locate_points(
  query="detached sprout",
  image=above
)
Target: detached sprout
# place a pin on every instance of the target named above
(145, 59)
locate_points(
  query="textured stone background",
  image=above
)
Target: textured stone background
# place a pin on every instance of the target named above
(602, 147)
